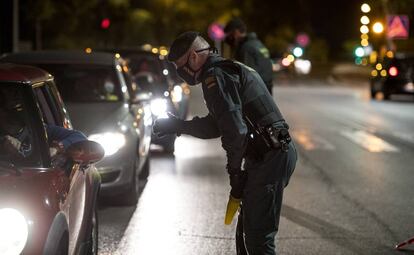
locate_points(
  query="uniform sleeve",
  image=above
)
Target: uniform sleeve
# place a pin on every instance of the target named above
(204, 127)
(63, 135)
(223, 100)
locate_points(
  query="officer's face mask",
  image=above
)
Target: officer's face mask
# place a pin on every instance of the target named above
(187, 73)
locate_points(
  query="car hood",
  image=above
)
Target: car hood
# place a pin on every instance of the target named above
(96, 117)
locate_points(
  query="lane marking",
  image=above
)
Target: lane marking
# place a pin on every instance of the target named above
(311, 142)
(369, 141)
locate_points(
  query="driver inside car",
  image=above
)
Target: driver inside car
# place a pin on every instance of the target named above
(16, 138)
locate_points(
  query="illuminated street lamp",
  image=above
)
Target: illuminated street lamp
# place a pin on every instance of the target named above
(365, 8)
(364, 42)
(364, 29)
(365, 20)
(378, 28)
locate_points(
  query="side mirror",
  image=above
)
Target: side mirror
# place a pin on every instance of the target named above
(85, 152)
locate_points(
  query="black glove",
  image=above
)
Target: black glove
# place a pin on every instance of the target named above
(171, 125)
(237, 182)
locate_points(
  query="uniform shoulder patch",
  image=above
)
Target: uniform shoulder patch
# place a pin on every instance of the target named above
(210, 82)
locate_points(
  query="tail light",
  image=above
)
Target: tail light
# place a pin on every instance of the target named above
(393, 71)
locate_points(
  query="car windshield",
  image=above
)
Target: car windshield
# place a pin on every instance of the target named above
(148, 72)
(86, 83)
(16, 134)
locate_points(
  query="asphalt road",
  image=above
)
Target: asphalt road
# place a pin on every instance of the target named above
(352, 191)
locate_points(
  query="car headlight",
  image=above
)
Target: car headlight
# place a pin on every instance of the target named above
(110, 141)
(13, 231)
(159, 107)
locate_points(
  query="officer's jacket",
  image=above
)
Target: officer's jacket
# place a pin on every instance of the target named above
(227, 88)
(253, 53)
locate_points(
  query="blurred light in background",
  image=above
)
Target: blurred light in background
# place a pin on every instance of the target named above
(359, 52)
(383, 73)
(117, 55)
(302, 66)
(373, 57)
(365, 8)
(285, 62)
(378, 27)
(390, 54)
(364, 20)
(378, 66)
(374, 73)
(105, 23)
(364, 42)
(364, 29)
(298, 52)
(393, 71)
(154, 50)
(147, 47)
(88, 50)
(291, 58)
(364, 36)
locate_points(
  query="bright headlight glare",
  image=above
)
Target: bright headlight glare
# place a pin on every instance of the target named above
(177, 94)
(159, 107)
(112, 142)
(13, 231)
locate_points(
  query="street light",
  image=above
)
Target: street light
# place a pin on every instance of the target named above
(365, 20)
(364, 42)
(365, 8)
(364, 29)
(378, 28)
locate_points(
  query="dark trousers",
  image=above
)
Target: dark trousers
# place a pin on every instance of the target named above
(258, 221)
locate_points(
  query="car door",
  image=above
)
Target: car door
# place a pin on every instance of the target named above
(141, 112)
(74, 204)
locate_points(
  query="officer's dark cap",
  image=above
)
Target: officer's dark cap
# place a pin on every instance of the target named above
(181, 45)
(235, 23)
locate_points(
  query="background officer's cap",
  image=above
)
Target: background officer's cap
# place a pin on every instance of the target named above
(181, 45)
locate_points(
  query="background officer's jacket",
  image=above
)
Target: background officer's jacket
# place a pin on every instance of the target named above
(226, 89)
(253, 53)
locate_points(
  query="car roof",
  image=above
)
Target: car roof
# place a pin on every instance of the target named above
(61, 57)
(22, 74)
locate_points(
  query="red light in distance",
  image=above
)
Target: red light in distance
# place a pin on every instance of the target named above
(393, 71)
(105, 23)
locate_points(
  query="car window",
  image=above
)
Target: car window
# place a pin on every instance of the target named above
(86, 83)
(17, 137)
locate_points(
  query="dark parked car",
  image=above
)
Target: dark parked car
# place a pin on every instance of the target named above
(47, 200)
(156, 75)
(109, 108)
(393, 76)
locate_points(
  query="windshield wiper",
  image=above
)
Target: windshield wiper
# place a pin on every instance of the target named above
(10, 167)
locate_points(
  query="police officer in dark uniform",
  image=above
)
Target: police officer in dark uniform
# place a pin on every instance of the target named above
(249, 50)
(252, 129)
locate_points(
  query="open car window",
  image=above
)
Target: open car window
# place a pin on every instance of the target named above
(17, 143)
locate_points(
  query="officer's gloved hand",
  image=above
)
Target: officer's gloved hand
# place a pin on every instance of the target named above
(237, 183)
(238, 180)
(170, 125)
